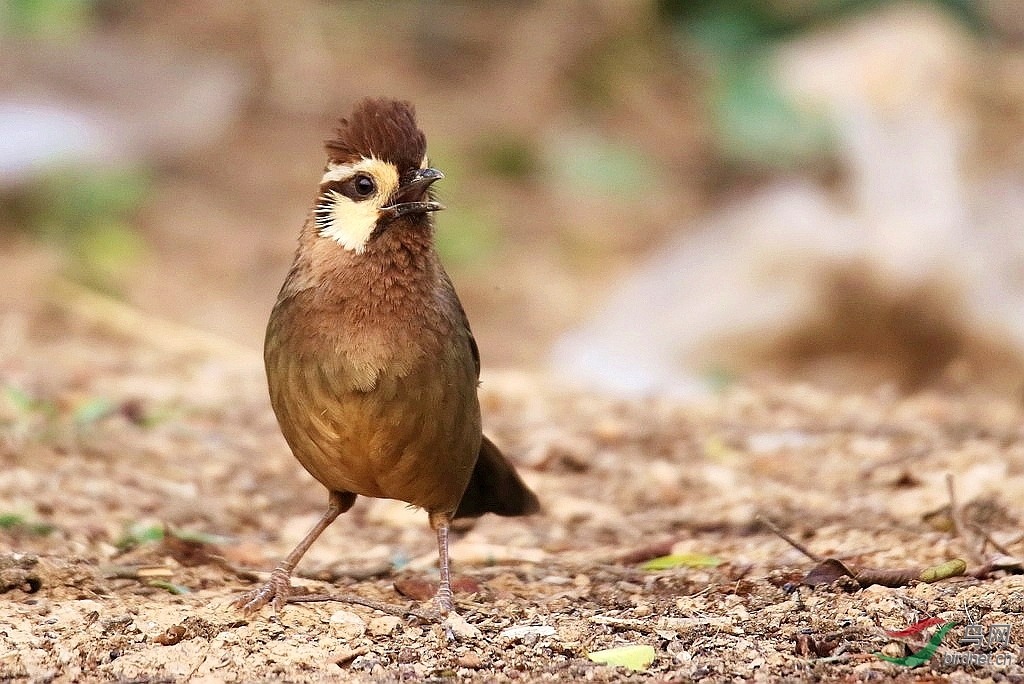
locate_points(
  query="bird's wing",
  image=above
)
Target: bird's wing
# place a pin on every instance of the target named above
(450, 291)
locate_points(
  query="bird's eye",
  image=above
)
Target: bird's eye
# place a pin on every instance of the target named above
(363, 185)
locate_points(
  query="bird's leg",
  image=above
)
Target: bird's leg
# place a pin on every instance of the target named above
(443, 598)
(278, 587)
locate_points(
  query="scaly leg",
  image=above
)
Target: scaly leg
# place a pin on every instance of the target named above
(277, 589)
(443, 598)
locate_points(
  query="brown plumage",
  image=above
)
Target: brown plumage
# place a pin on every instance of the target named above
(371, 364)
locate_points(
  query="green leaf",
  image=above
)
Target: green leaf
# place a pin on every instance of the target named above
(18, 523)
(682, 560)
(9, 520)
(41, 529)
(93, 410)
(136, 535)
(636, 658)
(951, 568)
(19, 398)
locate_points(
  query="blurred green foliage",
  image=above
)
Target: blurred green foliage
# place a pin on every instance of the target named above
(600, 73)
(509, 155)
(755, 122)
(19, 524)
(136, 534)
(90, 215)
(741, 25)
(682, 560)
(60, 420)
(758, 124)
(45, 18)
(26, 416)
(467, 234)
(588, 163)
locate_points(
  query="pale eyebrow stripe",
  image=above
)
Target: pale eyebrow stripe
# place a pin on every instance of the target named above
(340, 172)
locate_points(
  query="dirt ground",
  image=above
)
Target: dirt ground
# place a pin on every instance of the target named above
(144, 483)
(116, 431)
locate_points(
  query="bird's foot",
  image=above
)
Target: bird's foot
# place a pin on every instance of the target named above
(443, 602)
(275, 592)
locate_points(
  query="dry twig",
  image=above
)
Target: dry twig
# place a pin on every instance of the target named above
(789, 540)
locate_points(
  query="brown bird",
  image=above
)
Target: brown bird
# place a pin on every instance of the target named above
(372, 368)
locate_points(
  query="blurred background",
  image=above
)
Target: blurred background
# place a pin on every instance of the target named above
(643, 196)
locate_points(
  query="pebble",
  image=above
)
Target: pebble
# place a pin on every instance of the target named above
(347, 625)
(471, 660)
(384, 625)
(457, 625)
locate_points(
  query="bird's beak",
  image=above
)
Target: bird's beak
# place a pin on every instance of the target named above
(409, 197)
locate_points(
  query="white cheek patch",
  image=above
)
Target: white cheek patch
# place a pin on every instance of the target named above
(348, 223)
(342, 219)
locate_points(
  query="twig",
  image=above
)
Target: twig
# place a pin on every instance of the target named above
(984, 534)
(123, 319)
(789, 540)
(960, 528)
(388, 608)
(954, 509)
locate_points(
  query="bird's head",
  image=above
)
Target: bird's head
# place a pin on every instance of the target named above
(377, 174)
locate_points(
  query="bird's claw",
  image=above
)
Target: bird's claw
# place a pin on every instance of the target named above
(275, 592)
(443, 604)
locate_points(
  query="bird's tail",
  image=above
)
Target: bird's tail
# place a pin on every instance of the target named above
(495, 487)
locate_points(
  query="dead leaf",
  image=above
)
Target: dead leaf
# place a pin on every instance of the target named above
(826, 572)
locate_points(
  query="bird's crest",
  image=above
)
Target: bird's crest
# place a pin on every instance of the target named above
(379, 129)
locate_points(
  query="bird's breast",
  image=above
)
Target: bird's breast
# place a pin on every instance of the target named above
(379, 400)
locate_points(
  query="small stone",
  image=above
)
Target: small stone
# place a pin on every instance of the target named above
(416, 588)
(470, 660)
(347, 625)
(457, 625)
(384, 625)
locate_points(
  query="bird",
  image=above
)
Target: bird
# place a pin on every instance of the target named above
(371, 365)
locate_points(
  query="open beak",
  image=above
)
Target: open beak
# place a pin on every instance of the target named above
(408, 198)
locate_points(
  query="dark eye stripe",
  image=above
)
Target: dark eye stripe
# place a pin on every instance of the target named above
(357, 188)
